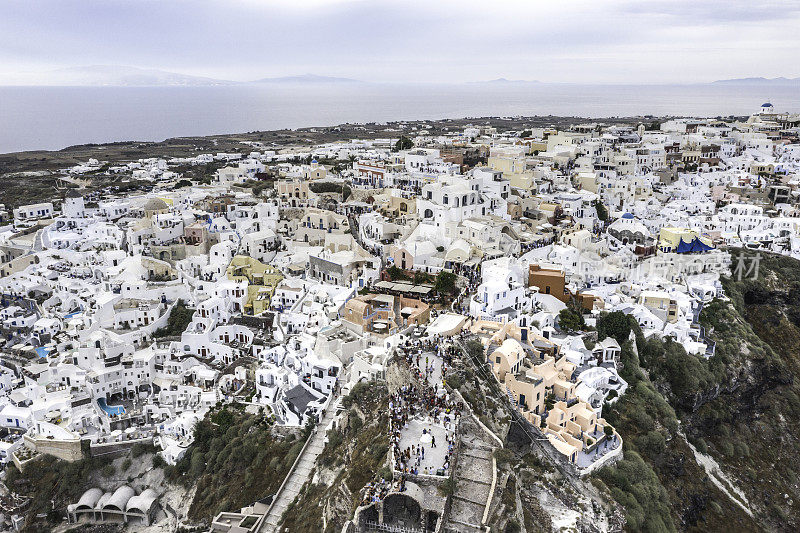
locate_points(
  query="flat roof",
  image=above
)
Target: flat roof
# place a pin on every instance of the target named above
(403, 286)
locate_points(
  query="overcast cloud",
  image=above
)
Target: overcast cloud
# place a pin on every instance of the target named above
(659, 41)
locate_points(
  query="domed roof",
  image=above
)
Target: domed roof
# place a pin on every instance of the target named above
(143, 502)
(627, 216)
(90, 498)
(120, 498)
(766, 104)
(155, 204)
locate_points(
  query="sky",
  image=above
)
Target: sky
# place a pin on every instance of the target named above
(598, 41)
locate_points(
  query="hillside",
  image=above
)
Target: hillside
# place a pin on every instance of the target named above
(751, 425)
(236, 458)
(710, 444)
(354, 455)
(739, 410)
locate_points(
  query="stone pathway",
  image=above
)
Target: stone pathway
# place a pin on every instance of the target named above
(299, 475)
(473, 478)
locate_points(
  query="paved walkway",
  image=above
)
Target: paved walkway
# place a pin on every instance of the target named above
(299, 475)
(411, 435)
(473, 478)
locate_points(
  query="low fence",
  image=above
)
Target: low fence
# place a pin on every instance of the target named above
(107, 448)
(376, 526)
(608, 459)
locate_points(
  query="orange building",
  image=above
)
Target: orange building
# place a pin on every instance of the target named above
(553, 281)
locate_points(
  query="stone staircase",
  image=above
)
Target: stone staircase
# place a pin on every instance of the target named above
(473, 477)
(300, 472)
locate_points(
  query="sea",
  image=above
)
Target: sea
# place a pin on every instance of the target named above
(51, 118)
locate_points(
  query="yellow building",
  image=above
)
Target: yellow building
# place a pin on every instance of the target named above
(661, 304)
(670, 238)
(262, 281)
(507, 159)
(540, 384)
(522, 180)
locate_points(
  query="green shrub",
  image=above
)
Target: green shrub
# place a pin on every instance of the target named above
(503, 455)
(616, 325)
(447, 487)
(178, 319)
(570, 320)
(637, 488)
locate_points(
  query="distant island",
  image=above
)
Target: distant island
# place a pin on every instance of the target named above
(125, 76)
(781, 81)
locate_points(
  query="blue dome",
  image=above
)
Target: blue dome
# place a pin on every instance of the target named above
(767, 104)
(313, 160)
(627, 215)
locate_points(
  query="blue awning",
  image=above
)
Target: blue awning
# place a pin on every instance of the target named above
(684, 247)
(695, 246)
(700, 246)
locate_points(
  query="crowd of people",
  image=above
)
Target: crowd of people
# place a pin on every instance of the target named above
(472, 276)
(430, 406)
(428, 400)
(425, 401)
(377, 490)
(528, 246)
(471, 273)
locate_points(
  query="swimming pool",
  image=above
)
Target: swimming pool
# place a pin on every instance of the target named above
(110, 409)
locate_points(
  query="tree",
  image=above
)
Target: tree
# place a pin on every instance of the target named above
(403, 143)
(396, 273)
(320, 187)
(445, 282)
(616, 325)
(178, 320)
(421, 277)
(570, 320)
(602, 212)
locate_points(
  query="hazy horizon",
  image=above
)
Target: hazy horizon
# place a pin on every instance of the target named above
(51, 78)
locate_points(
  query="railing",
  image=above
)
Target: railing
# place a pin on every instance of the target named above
(375, 526)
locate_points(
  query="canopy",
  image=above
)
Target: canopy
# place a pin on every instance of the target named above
(695, 246)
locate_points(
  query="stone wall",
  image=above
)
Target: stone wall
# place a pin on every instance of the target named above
(66, 449)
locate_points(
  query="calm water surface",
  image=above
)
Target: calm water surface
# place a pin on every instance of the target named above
(55, 117)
